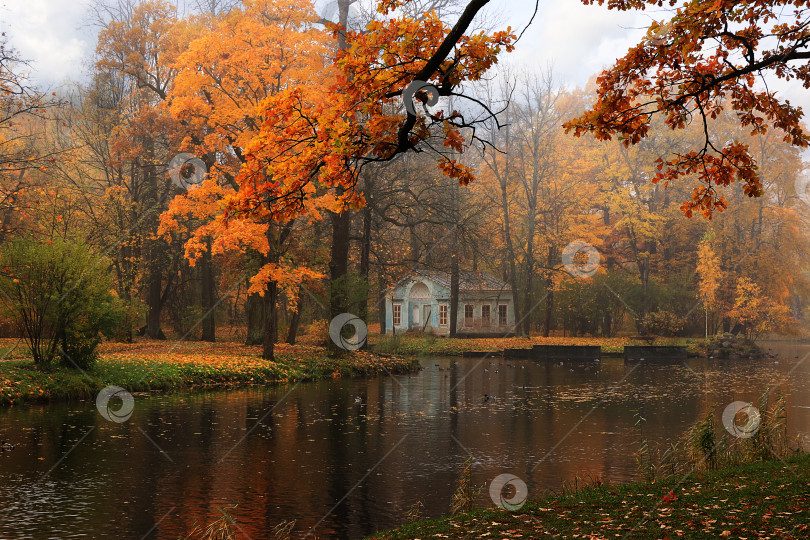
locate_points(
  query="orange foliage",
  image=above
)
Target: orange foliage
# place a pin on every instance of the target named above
(301, 129)
(314, 140)
(223, 78)
(707, 55)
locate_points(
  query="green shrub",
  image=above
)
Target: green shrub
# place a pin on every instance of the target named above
(663, 323)
(60, 296)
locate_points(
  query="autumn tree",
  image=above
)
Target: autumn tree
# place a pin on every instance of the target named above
(544, 187)
(343, 285)
(755, 313)
(762, 238)
(135, 71)
(497, 170)
(314, 141)
(536, 165)
(108, 211)
(640, 209)
(704, 57)
(709, 276)
(223, 78)
(22, 148)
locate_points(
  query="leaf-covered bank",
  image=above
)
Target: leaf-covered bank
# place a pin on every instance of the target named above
(761, 500)
(178, 366)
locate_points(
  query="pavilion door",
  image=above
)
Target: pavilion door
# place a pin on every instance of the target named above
(426, 316)
(415, 319)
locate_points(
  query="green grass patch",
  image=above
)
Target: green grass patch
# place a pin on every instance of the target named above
(164, 368)
(761, 500)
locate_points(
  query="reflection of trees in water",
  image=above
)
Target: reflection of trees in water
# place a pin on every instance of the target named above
(543, 423)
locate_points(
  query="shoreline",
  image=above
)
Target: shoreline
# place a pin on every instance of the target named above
(149, 365)
(188, 368)
(411, 344)
(768, 499)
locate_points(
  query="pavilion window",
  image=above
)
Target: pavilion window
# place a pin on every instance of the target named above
(469, 311)
(502, 314)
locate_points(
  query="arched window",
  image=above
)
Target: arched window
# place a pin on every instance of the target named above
(419, 291)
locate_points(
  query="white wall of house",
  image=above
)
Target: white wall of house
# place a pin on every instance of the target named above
(422, 305)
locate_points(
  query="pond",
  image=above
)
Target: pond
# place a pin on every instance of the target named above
(346, 458)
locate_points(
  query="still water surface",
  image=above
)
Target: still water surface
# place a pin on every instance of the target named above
(344, 467)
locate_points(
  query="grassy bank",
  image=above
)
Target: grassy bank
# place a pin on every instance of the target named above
(762, 500)
(410, 344)
(148, 366)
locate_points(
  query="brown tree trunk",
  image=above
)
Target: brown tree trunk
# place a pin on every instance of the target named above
(270, 299)
(365, 262)
(454, 287)
(153, 293)
(154, 250)
(549, 292)
(208, 296)
(645, 285)
(295, 321)
(277, 235)
(381, 305)
(645, 295)
(254, 310)
(454, 266)
(527, 317)
(341, 222)
(271, 321)
(510, 250)
(339, 267)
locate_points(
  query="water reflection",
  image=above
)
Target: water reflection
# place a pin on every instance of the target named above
(348, 467)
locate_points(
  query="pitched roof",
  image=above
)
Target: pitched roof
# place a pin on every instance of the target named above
(468, 281)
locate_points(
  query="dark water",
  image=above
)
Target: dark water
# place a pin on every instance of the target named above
(343, 469)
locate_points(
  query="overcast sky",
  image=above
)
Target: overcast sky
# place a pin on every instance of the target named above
(577, 40)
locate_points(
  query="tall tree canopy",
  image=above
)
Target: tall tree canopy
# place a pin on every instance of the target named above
(290, 134)
(322, 138)
(706, 57)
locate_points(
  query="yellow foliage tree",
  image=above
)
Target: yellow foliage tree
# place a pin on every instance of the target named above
(710, 275)
(756, 313)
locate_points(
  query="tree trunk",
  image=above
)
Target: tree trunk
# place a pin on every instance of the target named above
(271, 321)
(276, 236)
(341, 222)
(454, 286)
(208, 296)
(365, 262)
(530, 226)
(339, 268)
(381, 305)
(645, 295)
(254, 310)
(549, 323)
(510, 249)
(454, 269)
(295, 321)
(154, 247)
(154, 288)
